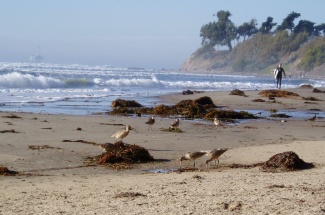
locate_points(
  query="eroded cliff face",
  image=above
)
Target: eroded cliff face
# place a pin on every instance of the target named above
(221, 63)
(212, 60)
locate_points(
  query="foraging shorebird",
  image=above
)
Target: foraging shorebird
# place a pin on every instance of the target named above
(175, 124)
(192, 156)
(213, 155)
(123, 133)
(108, 147)
(150, 122)
(217, 122)
(313, 119)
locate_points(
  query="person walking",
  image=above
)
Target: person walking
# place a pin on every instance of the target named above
(278, 75)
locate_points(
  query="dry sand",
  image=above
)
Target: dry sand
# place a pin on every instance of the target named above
(57, 180)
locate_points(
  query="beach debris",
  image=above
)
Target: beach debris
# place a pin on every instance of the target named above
(36, 147)
(9, 131)
(250, 127)
(305, 86)
(225, 115)
(12, 116)
(160, 110)
(276, 186)
(123, 156)
(205, 101)
(129, 194)
(202, 107)
(286, 161)
(237, 92)
(244, 166)
(5, 171)
(311, 98)
(273, 110)
(189, 92)
(188, 108)
(318, 91)
(258, 100)
(107, 147)
(79, 129)
(170, 129)
(81, 141)
(125, 103)
(235, 206)
(277, 93)
(197, 177)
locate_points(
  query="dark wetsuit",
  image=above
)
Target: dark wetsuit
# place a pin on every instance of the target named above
(279, 77)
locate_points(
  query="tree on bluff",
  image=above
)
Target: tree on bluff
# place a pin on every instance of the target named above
(267, 26)
(287, 23)
(221, 32)
(247, 29)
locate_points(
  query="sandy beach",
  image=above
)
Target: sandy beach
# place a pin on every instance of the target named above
(56, 180)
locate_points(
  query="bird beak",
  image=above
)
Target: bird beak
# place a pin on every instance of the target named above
(134, 130)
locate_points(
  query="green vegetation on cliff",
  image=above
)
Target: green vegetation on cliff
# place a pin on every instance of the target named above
(250, 49)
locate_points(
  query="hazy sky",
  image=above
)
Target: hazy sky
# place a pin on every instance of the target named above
(139, 33)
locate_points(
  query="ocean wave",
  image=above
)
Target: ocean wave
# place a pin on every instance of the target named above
(19, 80)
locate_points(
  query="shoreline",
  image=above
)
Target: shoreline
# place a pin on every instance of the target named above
(58, 181)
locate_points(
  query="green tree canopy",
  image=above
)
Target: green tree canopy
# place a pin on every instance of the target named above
(247, 29)
(318, 29)
(267, 25)
(221, 32)
(287, 23)
(304, 26)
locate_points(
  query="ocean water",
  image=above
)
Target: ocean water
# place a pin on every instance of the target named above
(84, 90)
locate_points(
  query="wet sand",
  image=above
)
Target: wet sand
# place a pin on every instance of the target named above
(56, 180)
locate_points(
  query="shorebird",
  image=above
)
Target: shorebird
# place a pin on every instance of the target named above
(150, 122)
(213, 155)
(217, 122)
(108, 147)
(123, 133)
(313, 119)
(192, 156)
(175, 124)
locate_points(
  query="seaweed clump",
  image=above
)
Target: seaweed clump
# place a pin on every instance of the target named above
(318, 91)
(123, 156)
(277, 93)
(5, 171)
(188, 108)
(238, 93)
(170, 129)
(286, 161)
(229, 114)
(202, 107)
(311, 98)
(125, 103)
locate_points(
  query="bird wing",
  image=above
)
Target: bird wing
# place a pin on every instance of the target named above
(117, 134)
(206, 151)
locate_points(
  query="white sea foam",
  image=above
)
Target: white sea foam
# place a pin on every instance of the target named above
(62, 87)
